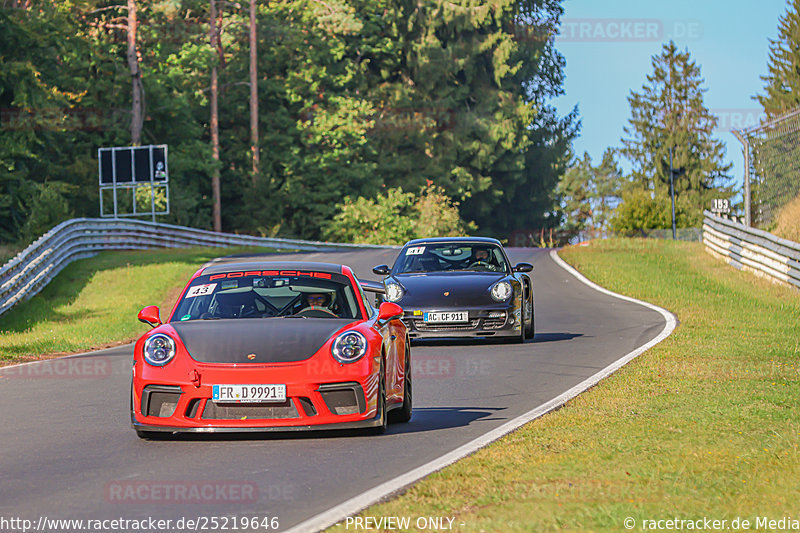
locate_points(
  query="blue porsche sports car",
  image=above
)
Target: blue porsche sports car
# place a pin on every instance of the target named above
(461, 287)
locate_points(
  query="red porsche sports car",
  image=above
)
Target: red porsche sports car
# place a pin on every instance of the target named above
(271, 347)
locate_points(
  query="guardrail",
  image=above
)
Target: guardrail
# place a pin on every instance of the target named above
(34, 267)
(752, 249)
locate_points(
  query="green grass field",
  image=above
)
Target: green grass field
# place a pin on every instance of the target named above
(93, 303)
(704, 425)
(7, 252)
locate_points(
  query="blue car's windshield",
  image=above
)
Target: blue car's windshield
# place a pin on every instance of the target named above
(446, 257)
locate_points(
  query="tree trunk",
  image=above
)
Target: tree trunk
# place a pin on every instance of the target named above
(215, 186)
(137, 100)
(254, 93)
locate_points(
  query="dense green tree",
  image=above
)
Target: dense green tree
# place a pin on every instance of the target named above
(609, 183)
(526, 195)
(589, 194)
(641, 210)
(775, 158)
(669, 113)
(575, 192)
(354, 96)
(782, 82)
(45, 114)
(395, 217)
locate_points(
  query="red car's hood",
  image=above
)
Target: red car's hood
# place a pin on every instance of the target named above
(270, 340)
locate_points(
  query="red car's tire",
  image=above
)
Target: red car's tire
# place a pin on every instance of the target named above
(404, 413)
(380, 429)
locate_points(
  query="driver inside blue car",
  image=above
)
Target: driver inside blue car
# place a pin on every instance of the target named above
(482, 259)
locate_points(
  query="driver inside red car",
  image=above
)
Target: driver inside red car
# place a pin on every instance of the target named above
(317, 301)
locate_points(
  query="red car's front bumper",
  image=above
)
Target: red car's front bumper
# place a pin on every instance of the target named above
(320, 394)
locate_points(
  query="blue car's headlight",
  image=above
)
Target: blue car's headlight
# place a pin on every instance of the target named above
(159, 349)
(501, 291)
(349, 347)
(394, 292)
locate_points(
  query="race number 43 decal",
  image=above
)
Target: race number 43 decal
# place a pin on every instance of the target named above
(201, 290)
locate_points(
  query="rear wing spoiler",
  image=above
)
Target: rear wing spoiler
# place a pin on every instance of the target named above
(372, 286)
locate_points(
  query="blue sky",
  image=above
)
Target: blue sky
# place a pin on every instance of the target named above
(608, 47)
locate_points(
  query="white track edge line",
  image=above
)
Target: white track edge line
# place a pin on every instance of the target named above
(374, 495)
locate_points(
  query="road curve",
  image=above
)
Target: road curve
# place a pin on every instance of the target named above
(67, 449)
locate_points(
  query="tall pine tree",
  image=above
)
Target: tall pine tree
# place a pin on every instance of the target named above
(669, 113)
(588, 194)
(782, 83)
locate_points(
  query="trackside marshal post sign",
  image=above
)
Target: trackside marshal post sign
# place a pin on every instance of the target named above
(134, 181)
(720, 206)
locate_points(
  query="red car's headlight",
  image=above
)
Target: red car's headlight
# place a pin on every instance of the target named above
(349, 347)
(159, 349)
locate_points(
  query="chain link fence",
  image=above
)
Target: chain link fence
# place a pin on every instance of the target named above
(772, 168)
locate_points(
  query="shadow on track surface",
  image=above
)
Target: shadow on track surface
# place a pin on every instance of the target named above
(555, 337)
(433, 418)
(462, 341)
(423, 419)
(489, 341)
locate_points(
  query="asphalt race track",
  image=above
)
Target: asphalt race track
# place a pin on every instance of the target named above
(67, 449)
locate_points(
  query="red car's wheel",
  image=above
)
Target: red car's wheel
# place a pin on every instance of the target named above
(381, 405)
(404, 413)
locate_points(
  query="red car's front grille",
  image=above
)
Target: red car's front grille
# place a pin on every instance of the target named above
(213, 411)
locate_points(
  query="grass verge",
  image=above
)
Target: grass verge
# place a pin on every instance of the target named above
(7, 252)
(93, 303)
(704, 425)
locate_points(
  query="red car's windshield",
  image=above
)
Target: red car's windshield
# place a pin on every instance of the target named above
(247, 295)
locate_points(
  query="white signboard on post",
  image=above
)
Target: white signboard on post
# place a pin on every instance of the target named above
(134, 181)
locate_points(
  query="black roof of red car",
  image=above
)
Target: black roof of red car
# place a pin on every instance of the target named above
(217, 268)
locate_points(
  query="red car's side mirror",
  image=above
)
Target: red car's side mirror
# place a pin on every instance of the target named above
(150, 315)
(389, 311)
